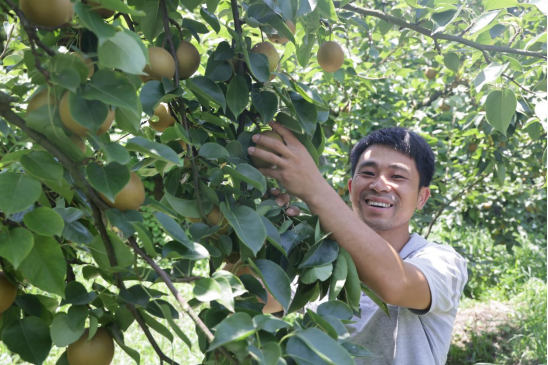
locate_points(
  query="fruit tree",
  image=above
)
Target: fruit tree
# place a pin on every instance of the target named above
(100, 98)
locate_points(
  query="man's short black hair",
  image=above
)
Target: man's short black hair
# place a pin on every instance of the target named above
(404, 141)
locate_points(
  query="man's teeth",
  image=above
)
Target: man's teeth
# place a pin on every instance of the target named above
(378, 204)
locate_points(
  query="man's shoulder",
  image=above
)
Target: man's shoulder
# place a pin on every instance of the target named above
(423, 247)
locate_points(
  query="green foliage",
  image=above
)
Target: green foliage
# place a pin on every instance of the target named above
(484, 113)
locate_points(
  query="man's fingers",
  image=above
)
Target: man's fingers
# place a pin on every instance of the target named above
(286, 134)
(272, 173)
(283, 199)
(274, 191)
(266, 156)
(293, 211)
(272, 143)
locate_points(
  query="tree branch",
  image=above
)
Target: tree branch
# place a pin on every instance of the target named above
(182, 302)
(442, 208)
(165, 19)
(437, 36)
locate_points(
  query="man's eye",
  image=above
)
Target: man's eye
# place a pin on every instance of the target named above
(399, 177)
(368, 173)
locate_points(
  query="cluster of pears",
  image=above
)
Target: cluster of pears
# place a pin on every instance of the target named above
(161, 63)
(330, 55)
(54, 13)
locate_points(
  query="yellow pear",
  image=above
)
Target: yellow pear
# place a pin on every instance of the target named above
(279, 39)
(8, 292)
(48, 13)
(189, 59)
(330, 56)
(97, 351)
(103, 12)
(165, 119)
(42, 98)
(88, 62)
(78, 129)
(270, 52)
(132, 196)
(161, 65)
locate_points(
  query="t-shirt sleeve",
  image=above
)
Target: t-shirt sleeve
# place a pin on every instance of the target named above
(446, 273)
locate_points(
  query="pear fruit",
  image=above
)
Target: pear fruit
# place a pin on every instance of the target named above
(132, 196)
(279, 39)
(272, 305)
(48, 13)
(330, 56)
(431, 74)
(189, 59)
(40, 99)
(216, 218)
(257, 162)
(270, 52)
(161, 65)
(79, 142)
(165, 119)
(78, 129)
(8, 291)
(97, 351)
(103, 12)
(88, 62)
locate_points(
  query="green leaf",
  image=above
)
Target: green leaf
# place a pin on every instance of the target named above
(93, 21)
(121, 7)
(213, 151)
(76, 294)
(45, 265)
(113, 88)
(124, 221)
(62, 333)
(353, 284)
(258, 65)
(88, 113)
(499, 4)
(307, 114)
(29, 337)
(68, 79)
(275, 280)
(266, 103)
(375, 298)
(151, 23)
(237, 96)
(335, 308)
(122, 52)
(249, 174)
(327, 9)
(173, 229)
(321, 273)
(177, 250)
(156, 326)
(206, 88)
(338, 279)
(42, 165)
(15, 245)
(152, 149)
(186, 208)
(452, 62)
(489, 74)
(484, 20)
(304, 50)
(123, 254)
(500, 107)
(207, 290)
(247, 224)
(18, 192)
(211, 19)
(44, 221)
(234, 328)
(302, 354)
(323, 252)
(325, 347)
(167, 315)
(109, 179)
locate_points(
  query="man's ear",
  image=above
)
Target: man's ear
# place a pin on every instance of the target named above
(424, 194)
(350, 185)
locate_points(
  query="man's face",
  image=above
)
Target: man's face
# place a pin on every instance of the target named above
(385, 189)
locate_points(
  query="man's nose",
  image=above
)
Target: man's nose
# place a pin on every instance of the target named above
(380, 184)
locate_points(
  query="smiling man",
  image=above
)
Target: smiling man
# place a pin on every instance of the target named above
(420, 281)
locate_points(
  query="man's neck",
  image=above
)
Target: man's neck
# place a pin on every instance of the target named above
(397, 238)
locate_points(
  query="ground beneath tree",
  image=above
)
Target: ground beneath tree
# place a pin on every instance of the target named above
(482, 334)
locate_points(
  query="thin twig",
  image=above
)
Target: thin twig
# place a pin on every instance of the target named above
(515, 82)
(438, 36)
(173, 51)
(129, 22)
(7, 41)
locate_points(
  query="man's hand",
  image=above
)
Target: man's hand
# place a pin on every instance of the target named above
(283, 200)
(295, 168)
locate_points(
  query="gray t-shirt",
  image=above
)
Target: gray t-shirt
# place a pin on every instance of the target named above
(408, 336)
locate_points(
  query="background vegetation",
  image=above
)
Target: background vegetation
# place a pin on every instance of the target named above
(482, 108)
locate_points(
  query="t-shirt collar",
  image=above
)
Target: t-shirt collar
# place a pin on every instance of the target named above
(415, 243)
